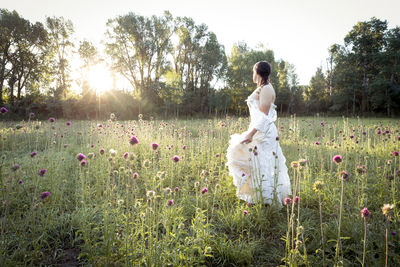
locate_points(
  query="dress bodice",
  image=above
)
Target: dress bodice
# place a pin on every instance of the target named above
(256, 114)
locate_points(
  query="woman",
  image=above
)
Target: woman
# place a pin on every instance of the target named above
(254, 158)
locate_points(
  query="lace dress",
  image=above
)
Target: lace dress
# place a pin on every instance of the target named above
(262, 171)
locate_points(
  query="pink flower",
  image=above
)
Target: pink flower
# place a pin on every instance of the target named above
(154, 146)
(126, 154)
(170, 202)
(52, 119)
(365, 213)
(296, 199)
(80, 157)
(204, 190)
(287, 201)
(134, 140)
(245, 212)
(337, 158)
(396, 153)
(176, 158)
(44, 195)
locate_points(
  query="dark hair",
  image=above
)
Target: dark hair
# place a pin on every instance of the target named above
(263, 68)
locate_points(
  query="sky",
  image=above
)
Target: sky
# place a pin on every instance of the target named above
(299, 32)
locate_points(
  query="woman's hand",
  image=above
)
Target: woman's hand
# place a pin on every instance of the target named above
(247, 139)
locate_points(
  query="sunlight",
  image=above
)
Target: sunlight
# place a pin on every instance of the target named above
(99, 77)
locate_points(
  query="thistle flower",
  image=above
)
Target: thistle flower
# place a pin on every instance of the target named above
(287, 201)
(387, 209)
(80, 157)
(83, 162)
(176, 189)
(146, 163)
(52, 119)
(337, 159)
(15, 167)
(296, 199)
(167, 190)
(204, 190)
(134, 140)
(294, 164)
(126, 154)
(90, 155)
(102, 150)
(184, 147)
(68, 123)
(303, 162)
(396, 153)
(344, 175)
(318, 185)
(151, 194)
(113, 153)
(154, 146)
(170, 202)
(135, 175)
(176, 158)
(365, 213)
(44, 195)
(3, 110)
(33, 154)
(20, 181)
(42, 172)
(245, 212)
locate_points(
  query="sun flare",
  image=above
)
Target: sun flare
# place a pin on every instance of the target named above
(99, 77)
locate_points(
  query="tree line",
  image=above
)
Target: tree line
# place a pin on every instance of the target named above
(173, 66)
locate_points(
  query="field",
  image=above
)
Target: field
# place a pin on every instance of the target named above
(165, 198)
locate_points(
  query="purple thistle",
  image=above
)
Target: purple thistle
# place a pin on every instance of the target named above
(102, 151)
(184, 147)
(126, 154)
(15, 167)
(394, 232)
(245, 212)
(396, 153)
(170, 202)
(44, 195)
(52, 119)
(204, 190)
(20, 181)
(80, 157)
(3, 110)
(296, 199)
(31, 115)
(287, 201)
(68, 123)
(176, 189)
(365, 213)
(134, 140)
(42, 172)
(33, 154)
(337, 158)
(135, 175)
(83, 162)
(176, 158)
(154, 146)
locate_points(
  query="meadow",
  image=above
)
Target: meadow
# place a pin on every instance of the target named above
(151, 192)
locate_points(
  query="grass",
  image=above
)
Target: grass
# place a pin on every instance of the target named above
(100, 215)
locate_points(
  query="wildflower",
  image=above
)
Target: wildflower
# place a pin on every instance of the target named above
(204, 190)
(154, 146)
(296, 199)
(66, 145)
(379, 132)
(33, 154)
(196, 184)
(176, 158)
(394, 232)
(20, 181)
(217, 155)
(176, 189)
(396, 153)
(3, 110)
(52, 119)
(134, 140)
(337, 158)
(135, 175)
(318, 185)
(287, 201)
(44, 195)
(361, 169)
(102, 150)
(170, 202)
(294, 164)
(90, 155)
(245, 212)
(344, 175)
(15, 167)
(387, 209)
(113, 153)
(83, 162)
(365, 213)
(184, 147)
(31, 115)
(42, 172)
(132, 156)
(167, 190)
(146, 163)
(80, 157)
(248, 204)
(126, 154)
(303, 162)
(68, 123)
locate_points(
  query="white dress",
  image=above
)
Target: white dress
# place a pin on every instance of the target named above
(266, 173)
